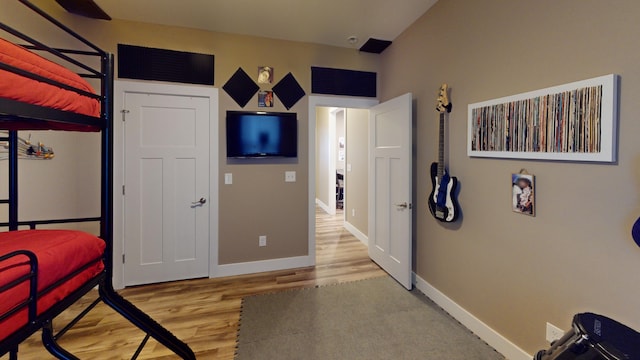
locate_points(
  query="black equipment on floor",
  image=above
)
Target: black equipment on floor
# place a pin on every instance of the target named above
(594, 337)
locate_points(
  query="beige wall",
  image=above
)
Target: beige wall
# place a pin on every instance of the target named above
(357, 180)
(54, 189)
(259, 202)
(322, 155)
(511, 271)
(340, 133)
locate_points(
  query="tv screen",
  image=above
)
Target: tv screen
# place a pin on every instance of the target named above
(262, 135)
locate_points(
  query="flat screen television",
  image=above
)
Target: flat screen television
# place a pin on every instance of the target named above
(262, 135)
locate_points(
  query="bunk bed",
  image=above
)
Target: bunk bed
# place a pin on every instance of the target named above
(43, 272)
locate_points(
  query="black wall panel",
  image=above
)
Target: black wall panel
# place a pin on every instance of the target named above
(142, 63)
(289, 91)
(241, 87)
(343, 82)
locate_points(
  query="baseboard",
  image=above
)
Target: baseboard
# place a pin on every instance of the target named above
(486, 333)
(262, 266)
(357, 233)
(324, 207)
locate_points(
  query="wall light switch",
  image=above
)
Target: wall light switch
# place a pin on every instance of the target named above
(262, 240)
(228, 178)
(348, 167)
(290, 176)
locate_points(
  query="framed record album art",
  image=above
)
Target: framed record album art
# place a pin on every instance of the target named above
(571, 122)
(265, 98)
(265, 75)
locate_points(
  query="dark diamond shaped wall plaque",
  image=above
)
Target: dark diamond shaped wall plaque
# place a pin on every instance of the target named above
(241, 87)
(289, 91)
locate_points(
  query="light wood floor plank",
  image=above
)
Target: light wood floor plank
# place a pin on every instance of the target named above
(205, 313)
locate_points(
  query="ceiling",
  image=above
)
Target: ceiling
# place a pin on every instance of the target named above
(329, 22)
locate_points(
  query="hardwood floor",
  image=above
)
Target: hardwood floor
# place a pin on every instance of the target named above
(205, 312)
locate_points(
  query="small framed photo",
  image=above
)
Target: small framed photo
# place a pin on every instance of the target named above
(265, 98)
(265, 75)
(523, 199)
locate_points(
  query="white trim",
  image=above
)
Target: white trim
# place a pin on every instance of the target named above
(357, 233)
(121, 87)
(323, 206)
(214, 189)
(508, 349)
(314, 102)
(333, 154)
(264, 265)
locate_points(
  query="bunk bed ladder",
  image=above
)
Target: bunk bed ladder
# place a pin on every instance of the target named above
(7, 200)
(146, 324)
(12, 200)
(106, 290)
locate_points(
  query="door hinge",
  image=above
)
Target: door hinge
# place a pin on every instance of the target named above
(123, 192)
(124, 113)
(123, 258)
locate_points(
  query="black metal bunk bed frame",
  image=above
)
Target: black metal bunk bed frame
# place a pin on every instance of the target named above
(15, 111)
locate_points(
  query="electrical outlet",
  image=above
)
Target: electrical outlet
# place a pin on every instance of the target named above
(262, 240)
(553, 333)
(353, 212)
(228, 178)
(290, 176)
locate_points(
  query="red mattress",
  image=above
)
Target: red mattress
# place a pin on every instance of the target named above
(23, 89)
(60, 253)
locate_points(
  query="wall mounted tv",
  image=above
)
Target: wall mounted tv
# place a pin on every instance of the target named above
(262, 135)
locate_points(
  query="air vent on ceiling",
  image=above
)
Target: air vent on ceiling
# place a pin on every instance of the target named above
(375, 46)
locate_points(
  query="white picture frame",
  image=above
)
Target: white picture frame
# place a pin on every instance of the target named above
(483, 140)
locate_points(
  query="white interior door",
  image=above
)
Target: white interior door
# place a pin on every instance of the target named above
(390, 187)
(166, 218)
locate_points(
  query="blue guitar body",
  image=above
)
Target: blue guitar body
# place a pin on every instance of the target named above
(635, 232)
(442, 201)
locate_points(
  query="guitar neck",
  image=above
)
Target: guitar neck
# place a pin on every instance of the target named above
(441, 147)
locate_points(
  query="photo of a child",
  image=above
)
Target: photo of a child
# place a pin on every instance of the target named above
(522, 190)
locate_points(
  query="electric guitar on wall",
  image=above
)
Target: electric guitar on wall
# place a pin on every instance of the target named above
(635, 231)
(442, 202)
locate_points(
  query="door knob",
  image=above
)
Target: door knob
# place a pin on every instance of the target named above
(202, 201)
(404, 205)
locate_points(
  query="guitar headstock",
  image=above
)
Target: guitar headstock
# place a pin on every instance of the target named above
(443, 103)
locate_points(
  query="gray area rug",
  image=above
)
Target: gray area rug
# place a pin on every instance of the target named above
(369, 319)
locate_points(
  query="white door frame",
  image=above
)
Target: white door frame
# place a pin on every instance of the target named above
(121, 88)
(324, 101)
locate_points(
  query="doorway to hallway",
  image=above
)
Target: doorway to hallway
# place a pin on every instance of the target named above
(388, 178)
(342, 166)
(340, 256)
